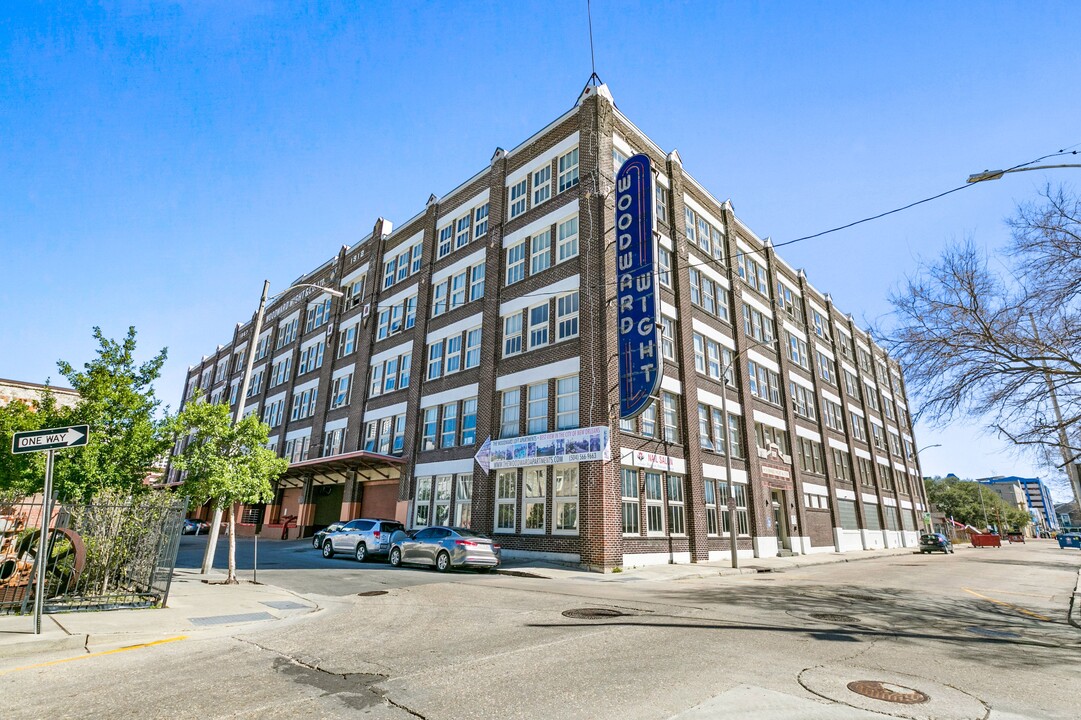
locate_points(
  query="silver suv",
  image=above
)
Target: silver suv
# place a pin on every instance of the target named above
(361, 538)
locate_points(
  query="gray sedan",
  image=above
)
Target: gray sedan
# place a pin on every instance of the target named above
(444, 548)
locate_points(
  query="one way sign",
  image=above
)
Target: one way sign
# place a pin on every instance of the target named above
(52, 439)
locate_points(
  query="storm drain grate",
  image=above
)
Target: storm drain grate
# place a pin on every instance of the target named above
(284, 605)
(834, 618)
(228, 619)
(372, 593)
(888, 692)
(592, 613)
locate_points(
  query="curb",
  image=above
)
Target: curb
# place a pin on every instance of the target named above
(34, 646)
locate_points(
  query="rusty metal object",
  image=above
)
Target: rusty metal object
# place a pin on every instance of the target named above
(888, 692)
(17, 567)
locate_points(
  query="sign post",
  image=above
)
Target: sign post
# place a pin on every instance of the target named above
(48, 441)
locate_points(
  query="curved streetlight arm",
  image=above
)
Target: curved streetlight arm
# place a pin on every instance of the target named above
(996, 174)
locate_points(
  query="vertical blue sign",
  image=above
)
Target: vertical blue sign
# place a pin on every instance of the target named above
(639, 335)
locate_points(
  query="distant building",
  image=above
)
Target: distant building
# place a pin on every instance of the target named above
(1028, 494)
(1069, 515)
(28, 392)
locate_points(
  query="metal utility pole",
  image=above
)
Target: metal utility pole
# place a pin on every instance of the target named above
(212, 538)
(979, 490)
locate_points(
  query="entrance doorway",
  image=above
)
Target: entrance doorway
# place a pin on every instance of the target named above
(780, 520)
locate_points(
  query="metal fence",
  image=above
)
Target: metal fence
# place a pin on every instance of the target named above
(102, 554)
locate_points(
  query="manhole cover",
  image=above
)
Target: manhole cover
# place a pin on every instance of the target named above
(372, 593)
(888, 692)
(592, 613)
(834, 618)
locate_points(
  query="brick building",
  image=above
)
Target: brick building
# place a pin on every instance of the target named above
(491, 313)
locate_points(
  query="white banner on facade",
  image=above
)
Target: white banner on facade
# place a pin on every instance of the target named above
(563, 446)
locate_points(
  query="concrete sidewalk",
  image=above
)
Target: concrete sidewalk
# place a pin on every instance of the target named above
(196, 605)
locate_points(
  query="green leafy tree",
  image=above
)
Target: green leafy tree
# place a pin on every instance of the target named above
(223, 462)
(24, 474)
(117, 401)
(961, 500)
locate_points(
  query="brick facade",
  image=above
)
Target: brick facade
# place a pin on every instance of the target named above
(791, 500)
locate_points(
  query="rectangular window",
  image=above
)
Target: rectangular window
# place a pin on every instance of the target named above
(797, 351)
(347, 340)
(469, 421)
(567, 239)
(757, 325)
(457, 289)
(565, 492)
(654, 491)
(852, 385)
(803, 401)
(506, 494)
(516, 263)
(540, 252)
(446, 239)
(272, 413)
(811, 456)
(391, 375)
(668, 338)
(442, 499)
(662, 203)
(567, 403)
(858, 430)
(472, 348)
(699, 353)
(764, 383)
(825, 368)
(675, 505)
(429, 428)
(704, 436)
(664, 267)
(834, 415)
(454, 354)
(648, 420)
(424, 498)
(538, 326)
(518, 198)
(461, 234)
(534, 505)
(480, 221)
(537, 408)
(334, 442)
(542, 185)
(405, 367)
(509, 413)
(878, 437)
(439, 298)
(710, 495)
(341, 389)
(463, 501)
(435, 360)
(318, 315)
(842, 465)
(512, 334)
(476, 282)
(671, 418)
(820, 324)
(448, 435)
(629, 484)
(567, 316)
(568, 170)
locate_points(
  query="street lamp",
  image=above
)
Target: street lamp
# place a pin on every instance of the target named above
(212, 539)
(996, 174)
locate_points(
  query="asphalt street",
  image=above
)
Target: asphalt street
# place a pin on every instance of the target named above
(979, 634)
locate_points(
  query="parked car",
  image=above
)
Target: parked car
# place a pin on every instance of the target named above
(320, 535)
(362, 538)
(934, 542)
(195, 527)
(445, 548)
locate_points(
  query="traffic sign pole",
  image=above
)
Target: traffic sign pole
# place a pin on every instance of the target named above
(43, 543)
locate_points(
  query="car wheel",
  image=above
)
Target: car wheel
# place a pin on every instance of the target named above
(442, 562)
(395, 557)
(361, 552)
(315, 542)
(328, 549)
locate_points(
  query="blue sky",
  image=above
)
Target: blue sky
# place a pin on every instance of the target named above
(158, 161)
